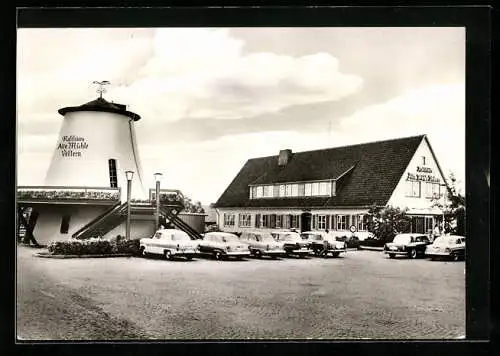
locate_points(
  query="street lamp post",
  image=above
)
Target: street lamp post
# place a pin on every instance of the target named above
(157, 212)
(130, 175)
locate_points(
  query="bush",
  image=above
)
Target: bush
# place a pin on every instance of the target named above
(372, 242)
(94, 246)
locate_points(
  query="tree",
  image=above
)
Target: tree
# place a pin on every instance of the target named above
(388, 221)
(453, 209)
(191, 207)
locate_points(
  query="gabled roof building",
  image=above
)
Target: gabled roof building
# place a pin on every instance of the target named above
(334, 188)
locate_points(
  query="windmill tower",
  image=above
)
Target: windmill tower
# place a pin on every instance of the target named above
(96, 146)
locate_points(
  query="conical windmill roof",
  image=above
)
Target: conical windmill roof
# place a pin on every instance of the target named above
(101, 104)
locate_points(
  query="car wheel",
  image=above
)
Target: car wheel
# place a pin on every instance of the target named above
(412, 253)
(335, 254)
(218, 255)
(258, 253)
(189, 258)
(391, 255)
(455, 257)
(142, 251)
(168, 255)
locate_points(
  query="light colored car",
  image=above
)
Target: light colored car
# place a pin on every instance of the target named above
(447, 246)
(170, 243)
(323, 243)
(262, 244)
(411, 245)
(222, 245)
(293, 244)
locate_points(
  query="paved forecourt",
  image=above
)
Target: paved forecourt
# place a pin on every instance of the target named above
(360, 295)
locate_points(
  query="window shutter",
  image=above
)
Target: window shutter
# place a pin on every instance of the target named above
(257, 220)
(334, 222)
(314, 221)
(327, 218)
(273, 221)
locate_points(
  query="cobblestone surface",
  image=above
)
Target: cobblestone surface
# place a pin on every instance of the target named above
(361, 295)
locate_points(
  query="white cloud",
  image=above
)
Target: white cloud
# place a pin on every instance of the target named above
(438, 111)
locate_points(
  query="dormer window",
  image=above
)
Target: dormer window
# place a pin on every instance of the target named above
(290, 190)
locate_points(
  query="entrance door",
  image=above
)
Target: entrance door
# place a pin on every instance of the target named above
(305, 222)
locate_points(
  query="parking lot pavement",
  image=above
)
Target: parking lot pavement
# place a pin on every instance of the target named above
(361, 295)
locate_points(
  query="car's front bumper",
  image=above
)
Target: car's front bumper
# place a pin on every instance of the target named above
(301, 250)
(437, 253)
(186, 253)
(237, 253)
(395, 252)
(273, 252)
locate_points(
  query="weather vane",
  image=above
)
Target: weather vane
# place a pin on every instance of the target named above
(101, 89)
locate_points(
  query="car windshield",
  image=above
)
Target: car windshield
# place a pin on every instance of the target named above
(402, 239)
(180, 237)
(265, 237)
(229, 238)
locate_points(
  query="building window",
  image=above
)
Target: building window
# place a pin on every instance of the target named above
(279, 221)
(315, 188)
(322, 222)
(325, 188)
(266, 221)
(412, 188)
(423, 160)
(282, 190)
(360, 222)
(300, 190)
(294, 221)
(259, 192)
(295, 190)
(268, 191)
(228, 220)
(244, 220)
(65, 224)
(428, 224)
(341, 222)
(288, 190)
(308, 189)
(113, 178)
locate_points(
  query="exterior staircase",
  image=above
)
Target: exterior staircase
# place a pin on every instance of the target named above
(170, 215)
(104, 223)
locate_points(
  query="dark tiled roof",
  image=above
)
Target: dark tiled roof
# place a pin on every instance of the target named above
(101, 104)
(378, 167)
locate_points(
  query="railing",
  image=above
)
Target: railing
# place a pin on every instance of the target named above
(67, 193)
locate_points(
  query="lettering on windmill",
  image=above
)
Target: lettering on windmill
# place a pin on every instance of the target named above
(72, 146)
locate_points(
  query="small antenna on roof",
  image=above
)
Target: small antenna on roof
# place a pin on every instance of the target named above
(101, 88)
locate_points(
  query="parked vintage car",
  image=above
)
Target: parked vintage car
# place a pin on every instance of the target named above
(323, 243)
(170, 243)
(411, 245)
(262, 244)
(447, 246)
(351, 241)
(222, 245)
(293, 244)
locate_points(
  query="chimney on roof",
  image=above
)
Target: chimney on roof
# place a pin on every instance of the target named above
(284, 157)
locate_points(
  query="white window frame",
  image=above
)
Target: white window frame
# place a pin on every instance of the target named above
(229, 219)
(315, 189)
(245, 220)
(413, 188)
(341, 222)
(321, 222)
(295, 190)
(282, 190)
(308, 189)
(267, 191)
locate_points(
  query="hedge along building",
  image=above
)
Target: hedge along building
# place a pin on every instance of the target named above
(85, 189)
(334, 188)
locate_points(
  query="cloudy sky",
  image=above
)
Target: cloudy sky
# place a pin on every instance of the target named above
(212, 98)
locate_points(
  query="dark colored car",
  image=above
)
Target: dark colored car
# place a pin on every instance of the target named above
(351, 241)
(409, 245)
